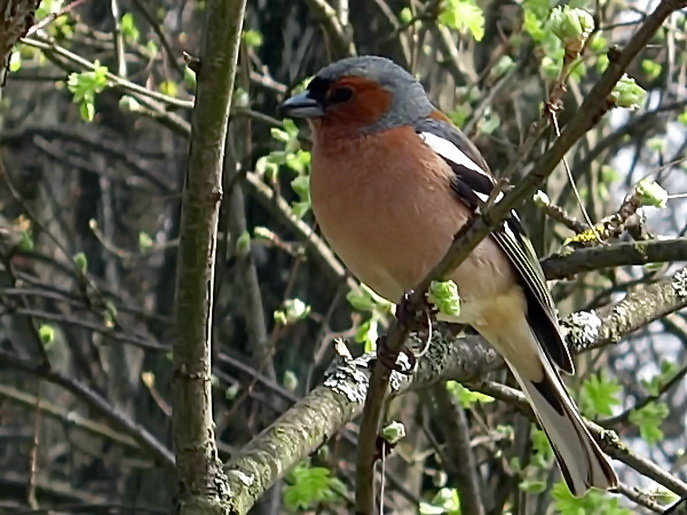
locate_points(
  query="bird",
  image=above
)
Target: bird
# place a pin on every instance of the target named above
(392, 181)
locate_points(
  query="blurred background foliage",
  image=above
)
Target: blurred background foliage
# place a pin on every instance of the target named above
(93, 137)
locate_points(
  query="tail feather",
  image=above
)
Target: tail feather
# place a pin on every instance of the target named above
(580, 459)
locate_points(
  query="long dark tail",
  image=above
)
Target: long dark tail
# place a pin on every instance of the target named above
(582, 463)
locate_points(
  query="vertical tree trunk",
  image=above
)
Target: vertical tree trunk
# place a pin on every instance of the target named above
(202, 483)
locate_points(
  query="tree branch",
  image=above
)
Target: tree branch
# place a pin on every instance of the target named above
(461, 460)
(201, 479)
(97, 403)
(16, 18)
(339, 34)
(560, 266)
(69, 419)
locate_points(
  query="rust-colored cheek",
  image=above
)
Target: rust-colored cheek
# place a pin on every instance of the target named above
(369, 103)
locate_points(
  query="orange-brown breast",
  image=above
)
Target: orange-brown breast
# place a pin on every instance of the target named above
(385, 204)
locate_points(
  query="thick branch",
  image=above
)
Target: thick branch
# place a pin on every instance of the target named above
(596, 328)
(202, 481)
(560, 266)
(16, 17)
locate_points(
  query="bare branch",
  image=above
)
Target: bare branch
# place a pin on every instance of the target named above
(98, 404)
(462, 463)
(560, 266)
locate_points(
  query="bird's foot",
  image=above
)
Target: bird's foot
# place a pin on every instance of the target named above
(417, 319)
(402, 361)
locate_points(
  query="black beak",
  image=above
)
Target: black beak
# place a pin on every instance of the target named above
(301, 106)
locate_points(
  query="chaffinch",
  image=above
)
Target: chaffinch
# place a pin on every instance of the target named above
(392, 182)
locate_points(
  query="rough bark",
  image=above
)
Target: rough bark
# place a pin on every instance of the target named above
(16, 18)
(202, 483)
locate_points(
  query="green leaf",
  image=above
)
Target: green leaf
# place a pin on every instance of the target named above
(48, 7)
(394, 432)
(47, 335)
(541, 448)
(651, 193)
(295, 310)
(534, 25)
(169, 88)
(242, 245)
(128, 27)
(360, 299)
(87, 110)
(110, 315)
(445, 501)
(15, 61)
(599, 395)
(463, 15)
(301, 185)
(290, 380)
(571, 25)
(144, 241)
(26, 241)
(649, 420)
(129, 103)
(368, 333)
(656, 383)
(490, 122)
(627, 93)
(86, 84)
(465, 396)
(594, 501)
(279, 318)
(84, 87)
(309, 486)
(279, 135)
(252, 38)
(189, 78)
(405, 15)
(81, 261)
(652, 69)
(263, 233)
(459, 115)
(532, 486)
(444, 295)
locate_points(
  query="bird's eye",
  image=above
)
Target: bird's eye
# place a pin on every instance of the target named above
(340, 95)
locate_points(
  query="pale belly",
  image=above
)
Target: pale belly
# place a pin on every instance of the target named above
(391, 227)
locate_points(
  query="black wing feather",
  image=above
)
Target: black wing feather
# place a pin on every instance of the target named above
(473, 183)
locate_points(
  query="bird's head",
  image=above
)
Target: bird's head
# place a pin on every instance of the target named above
(365, 94)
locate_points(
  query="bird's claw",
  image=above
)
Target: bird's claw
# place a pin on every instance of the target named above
(390, 358)
(415, 319)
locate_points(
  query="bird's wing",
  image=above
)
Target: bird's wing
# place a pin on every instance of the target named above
(473, 183)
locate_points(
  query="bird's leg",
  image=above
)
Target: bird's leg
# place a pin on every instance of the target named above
(418, 321)
(390, 358)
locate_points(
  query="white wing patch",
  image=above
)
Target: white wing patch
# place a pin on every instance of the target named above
(449, 151)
